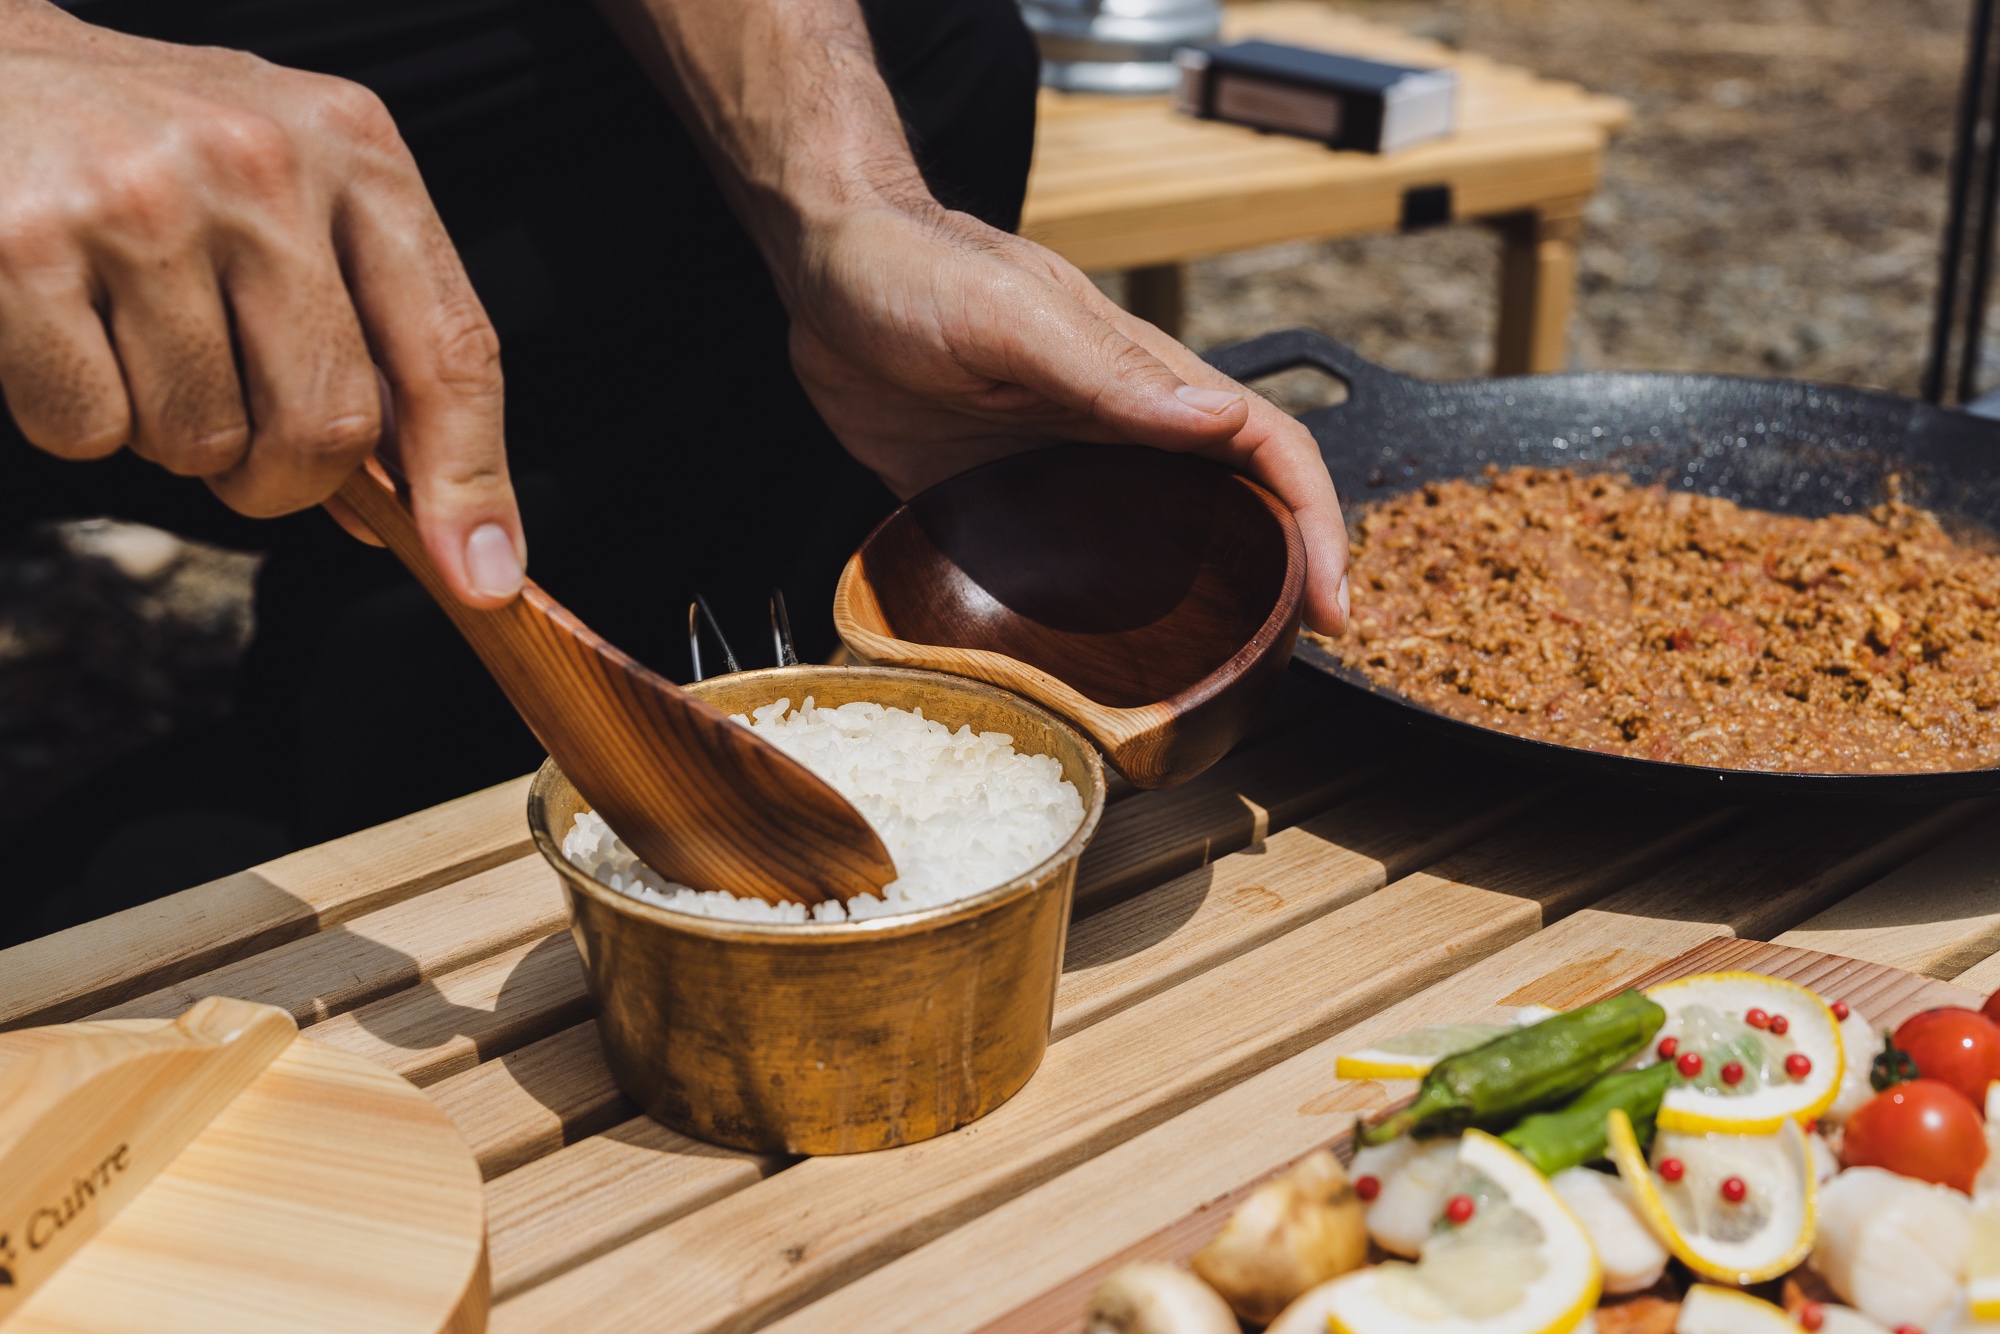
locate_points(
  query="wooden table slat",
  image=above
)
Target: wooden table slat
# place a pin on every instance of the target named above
(1583, 845)
(1782, 866)
(533, 1101)
(382, 952)
(458, 1019)
(1140, 948)
(583, 1200)
(1983, 977)
(1155, 836)
(1937, 915)
(86, 968)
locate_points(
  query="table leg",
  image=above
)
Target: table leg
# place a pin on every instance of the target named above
(1155, 294)
(1537, 287)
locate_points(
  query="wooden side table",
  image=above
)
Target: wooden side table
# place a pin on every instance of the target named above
(1127, 183)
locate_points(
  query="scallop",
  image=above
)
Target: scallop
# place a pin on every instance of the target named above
(1893, 1246)
(1415, 1184)
(1632, 1257)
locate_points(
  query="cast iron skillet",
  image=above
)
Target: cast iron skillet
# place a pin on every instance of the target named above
(1804, 448)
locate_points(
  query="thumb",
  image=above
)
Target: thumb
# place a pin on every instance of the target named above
(440, 361)
(467, 516)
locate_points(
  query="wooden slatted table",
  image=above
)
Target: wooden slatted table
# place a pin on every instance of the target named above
(1126, 183)
(1335, 879)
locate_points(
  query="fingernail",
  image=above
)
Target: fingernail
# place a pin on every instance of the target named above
(490, 562)
(1340, 596)
(1216, 401)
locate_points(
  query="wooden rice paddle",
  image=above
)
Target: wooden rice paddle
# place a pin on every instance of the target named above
(703, 800)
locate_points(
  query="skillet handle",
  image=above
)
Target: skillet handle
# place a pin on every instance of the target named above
(1270, 353)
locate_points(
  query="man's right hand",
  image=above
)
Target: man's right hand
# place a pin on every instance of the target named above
(203, 256)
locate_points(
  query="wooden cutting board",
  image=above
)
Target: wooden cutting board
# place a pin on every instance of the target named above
(1886, 995)
(317, 1192)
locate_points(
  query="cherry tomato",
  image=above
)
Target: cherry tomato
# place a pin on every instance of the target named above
(1922, 1129)
(1959, 1047)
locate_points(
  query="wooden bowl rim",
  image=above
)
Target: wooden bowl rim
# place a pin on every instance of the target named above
(915, 922)
(1110, 722)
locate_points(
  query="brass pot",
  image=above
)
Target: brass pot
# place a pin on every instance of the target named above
(843, 1036)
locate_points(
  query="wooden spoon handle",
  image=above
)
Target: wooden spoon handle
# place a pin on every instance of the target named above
(90, 1112)
(375, 497)
(699, 798)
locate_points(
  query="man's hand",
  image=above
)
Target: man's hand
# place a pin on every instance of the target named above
(929, 341)
(203, 257)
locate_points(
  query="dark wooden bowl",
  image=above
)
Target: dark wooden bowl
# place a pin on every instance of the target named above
(1150, 598)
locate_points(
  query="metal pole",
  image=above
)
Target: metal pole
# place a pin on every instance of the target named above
(1982, 262)
(1971, 95)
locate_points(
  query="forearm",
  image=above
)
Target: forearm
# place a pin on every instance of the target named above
(784, 98)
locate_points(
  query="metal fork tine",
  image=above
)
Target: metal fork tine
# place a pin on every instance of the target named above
(694, 638)
(781, 630)
(715, 628)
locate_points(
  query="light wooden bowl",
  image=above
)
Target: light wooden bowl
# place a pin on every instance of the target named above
(1150, 598)
(832, 1037)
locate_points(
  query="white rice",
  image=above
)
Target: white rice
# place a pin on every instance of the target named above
(959, 812)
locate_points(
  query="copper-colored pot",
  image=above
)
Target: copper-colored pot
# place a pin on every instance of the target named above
(832, 1037)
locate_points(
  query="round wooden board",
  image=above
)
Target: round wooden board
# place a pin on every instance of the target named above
(330, 1195)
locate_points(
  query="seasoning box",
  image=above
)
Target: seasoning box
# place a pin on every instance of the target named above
(1342, 101)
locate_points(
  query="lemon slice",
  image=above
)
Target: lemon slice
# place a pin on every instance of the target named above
(1982, 1261)
(1762, 1232)
(1411, 1055)
(1713, 1016)
(1531, 1270)
(1711, 1310)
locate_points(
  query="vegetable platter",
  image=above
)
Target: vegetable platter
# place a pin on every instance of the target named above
(1729, 1146)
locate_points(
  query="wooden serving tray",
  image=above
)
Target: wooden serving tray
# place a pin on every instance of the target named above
(1886, 995)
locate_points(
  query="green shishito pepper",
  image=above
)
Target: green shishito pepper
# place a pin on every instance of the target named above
(1525, 1070)
(1574, 1133)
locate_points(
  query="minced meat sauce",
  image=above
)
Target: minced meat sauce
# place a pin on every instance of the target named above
(1589, 611)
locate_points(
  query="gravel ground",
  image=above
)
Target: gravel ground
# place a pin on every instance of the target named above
(1774, 209)
(111, 636)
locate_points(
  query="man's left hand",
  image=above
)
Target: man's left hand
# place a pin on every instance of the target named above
(931, 342)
